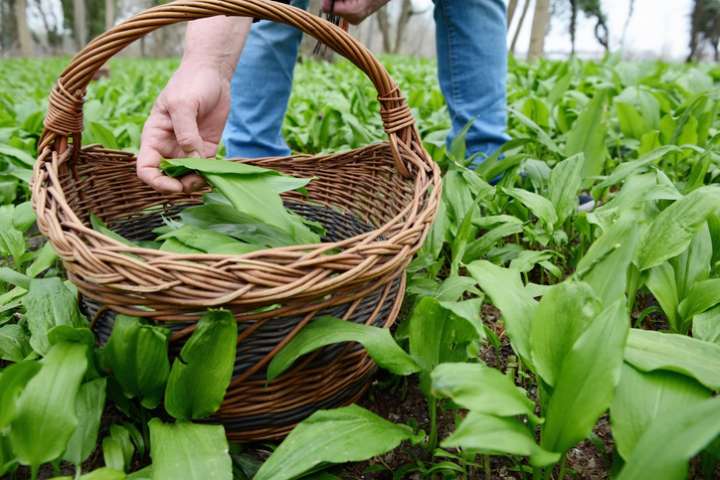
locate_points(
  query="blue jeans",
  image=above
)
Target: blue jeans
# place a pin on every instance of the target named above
(472, 69)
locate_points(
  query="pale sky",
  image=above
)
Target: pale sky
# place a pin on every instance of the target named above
(657, 27)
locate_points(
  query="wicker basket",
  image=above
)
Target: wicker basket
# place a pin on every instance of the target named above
(376, 203)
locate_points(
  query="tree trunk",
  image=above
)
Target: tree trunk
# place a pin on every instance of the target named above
(631, 11)
(521, 21)
(573, 25)
(384, 24)
(23, 31)
(405, 13)
(695, 21)
(541, 20)
(512, 6)
(109, 14)
(80, 22)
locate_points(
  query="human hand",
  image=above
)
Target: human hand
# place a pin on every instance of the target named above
(187, 120)
(354, 11)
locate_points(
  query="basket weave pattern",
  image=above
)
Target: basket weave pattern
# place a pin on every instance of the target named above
(392, 188)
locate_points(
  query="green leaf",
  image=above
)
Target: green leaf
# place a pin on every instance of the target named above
(253, 195)
(643, 399)
(189, 451)
(437, 236)
(457, 195)
(112, 452)
(565, 182)
(99, 226)
(45, 258)
(223, 218)
(586, 382)
(705, 326)
(632, 124)
(118, 448)
(103, 473)
(626, 169)
(466, 231)
(23, 216)
(662, 453)
(427, 328)
(648, 351)
(674, 228)
(14, 343)
(177, 167)
(12, 244)
(540, 206)
(349, 434)
(98, 133)
(201, 374)
(702, 296)
(16, 153)
(468, 310)
(638, 112)
(49, 303)
(661, 283)
(507, 292)
(499, 435)
(479, 247)
(539, 135)
(252, 191)
(329, 330)
(207, 241)
(482, 389)
(12, 382)
(137, 356)
(560, 319)
(453, 288)
(89, 405)
(46, 418)
(587, 135)
(8, 275)
(142, 474)
(605, 264)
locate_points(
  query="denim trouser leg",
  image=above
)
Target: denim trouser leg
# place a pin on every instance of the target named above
(261, 88)
(472, 68)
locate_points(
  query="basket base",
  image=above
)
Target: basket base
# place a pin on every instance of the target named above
(331, 377)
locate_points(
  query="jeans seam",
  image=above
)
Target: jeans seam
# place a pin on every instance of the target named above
(452, 57)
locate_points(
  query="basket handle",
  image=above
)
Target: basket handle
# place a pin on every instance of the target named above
(65, 107)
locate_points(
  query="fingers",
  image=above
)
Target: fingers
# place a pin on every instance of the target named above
(148, 162)
(187, 134)
(354, 11)
(192, 183)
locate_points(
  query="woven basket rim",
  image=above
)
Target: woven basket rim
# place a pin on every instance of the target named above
(314, 248)
(98, 263)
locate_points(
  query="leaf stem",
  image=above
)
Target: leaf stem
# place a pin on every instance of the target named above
(563, 467)
(537, 473)
(432, 439)
(488, 469)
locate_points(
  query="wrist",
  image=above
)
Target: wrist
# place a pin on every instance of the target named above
(222, 64)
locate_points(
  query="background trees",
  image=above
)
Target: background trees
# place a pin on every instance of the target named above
(51, 27)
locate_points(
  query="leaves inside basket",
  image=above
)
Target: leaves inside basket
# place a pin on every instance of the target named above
(252, 191)
(244, 213)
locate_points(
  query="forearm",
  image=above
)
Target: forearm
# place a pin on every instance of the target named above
(216, 42)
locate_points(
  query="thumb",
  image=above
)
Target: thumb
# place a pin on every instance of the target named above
(187, 134)
(327, 5)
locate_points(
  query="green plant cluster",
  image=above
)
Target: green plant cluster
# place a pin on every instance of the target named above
(243, 213)
(602, 315)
